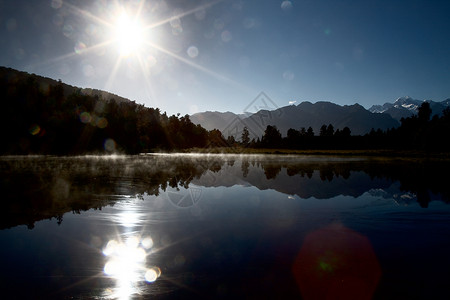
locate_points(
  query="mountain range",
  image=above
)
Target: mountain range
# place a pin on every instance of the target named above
(314, 115)
(306, 114)
(405, 107)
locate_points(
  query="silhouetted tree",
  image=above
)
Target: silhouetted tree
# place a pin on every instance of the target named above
(446, 113)
(216, 139)
(271, 137)
(330, 130)
(245, 137)
(323, 130)
(302, 131)
(231, 140)
(424, 112)
(293, 138)
(326, 130)
(293, 134)
(345, 132)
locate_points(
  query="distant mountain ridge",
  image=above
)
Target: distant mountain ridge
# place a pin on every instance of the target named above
(405, 107)
(214, 120)
(306, 114)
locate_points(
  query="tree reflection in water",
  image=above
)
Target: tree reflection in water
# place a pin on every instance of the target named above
(36, 188)
(248, 220)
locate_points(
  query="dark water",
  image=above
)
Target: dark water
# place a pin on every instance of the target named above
(224, 227)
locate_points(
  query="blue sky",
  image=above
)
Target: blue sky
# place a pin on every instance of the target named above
(219, 55)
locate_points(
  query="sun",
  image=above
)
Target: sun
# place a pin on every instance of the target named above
(128, 34)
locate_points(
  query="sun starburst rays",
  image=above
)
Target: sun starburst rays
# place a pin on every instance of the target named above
(183, 14)
(126, 35)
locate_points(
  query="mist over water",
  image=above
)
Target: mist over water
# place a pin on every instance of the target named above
(223, 226)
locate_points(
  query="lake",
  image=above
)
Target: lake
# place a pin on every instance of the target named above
(169, 226)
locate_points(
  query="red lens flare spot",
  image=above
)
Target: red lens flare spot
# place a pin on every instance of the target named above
(336, 263)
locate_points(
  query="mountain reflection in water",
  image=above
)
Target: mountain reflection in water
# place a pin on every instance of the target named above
(36, 188)
(224, 226)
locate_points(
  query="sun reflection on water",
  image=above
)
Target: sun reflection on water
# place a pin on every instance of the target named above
(126, 259)
(126, 263)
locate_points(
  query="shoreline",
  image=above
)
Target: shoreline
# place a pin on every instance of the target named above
(373, 153)
(400, 154)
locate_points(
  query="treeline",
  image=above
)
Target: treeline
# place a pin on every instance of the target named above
(42, 118)
(418, 132)
(38, 120)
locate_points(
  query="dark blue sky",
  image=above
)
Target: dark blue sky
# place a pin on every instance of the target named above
(219, 55)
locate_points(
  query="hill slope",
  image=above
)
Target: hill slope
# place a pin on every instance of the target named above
(44, 84)
(45, 116)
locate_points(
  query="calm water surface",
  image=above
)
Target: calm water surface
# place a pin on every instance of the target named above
(232, 226)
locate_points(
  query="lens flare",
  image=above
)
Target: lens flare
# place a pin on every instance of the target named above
(109, 145)
(85, 117)
(35, 129)
(147, 243)
(126, 263)
(152, 274)
(102, 123)
(192, 51)
(80, 47)
(336, 262)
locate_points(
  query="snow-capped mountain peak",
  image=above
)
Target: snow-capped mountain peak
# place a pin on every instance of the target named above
(410, 106)
(408, 103)
(406, 106)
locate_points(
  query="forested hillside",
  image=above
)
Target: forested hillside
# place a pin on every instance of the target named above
(42, 116)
